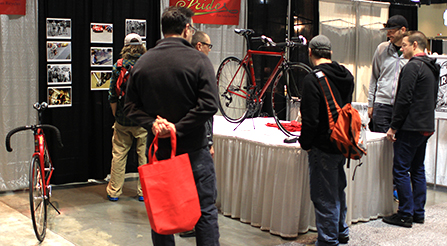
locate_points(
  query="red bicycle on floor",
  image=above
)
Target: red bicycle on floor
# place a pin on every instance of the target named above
(41, 170)
(239, 94)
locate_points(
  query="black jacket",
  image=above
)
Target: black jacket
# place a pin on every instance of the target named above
(315, 128)
(178, 83)
(417, 92)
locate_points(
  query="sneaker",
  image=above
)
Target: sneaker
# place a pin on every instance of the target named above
(419, 220)
(399, 220)
(112, 199)
(141, 198)
(188, 233)
(343, 240)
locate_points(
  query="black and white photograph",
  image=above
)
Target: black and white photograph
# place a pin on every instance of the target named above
(58, 51)
(101, 56)
(100, 80)
(101, 33)
(58, 28)
(136, 26)
(59, 74)
(59, 96)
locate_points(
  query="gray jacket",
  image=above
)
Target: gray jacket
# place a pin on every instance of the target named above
(386, 67)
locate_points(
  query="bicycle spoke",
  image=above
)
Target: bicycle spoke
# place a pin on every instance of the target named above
(285, 92)
(38, 206)
(232, 81)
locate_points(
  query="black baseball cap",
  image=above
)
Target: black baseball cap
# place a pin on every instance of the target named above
(395, 22)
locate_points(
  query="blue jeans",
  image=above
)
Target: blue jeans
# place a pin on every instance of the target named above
(327, 184)
(409, 172)
(207, 229)
(382, 114)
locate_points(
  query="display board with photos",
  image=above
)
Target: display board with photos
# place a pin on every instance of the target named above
(136, 26)
(59, 49)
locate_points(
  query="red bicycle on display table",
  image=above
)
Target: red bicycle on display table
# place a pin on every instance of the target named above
(41, 170)
(240, 97)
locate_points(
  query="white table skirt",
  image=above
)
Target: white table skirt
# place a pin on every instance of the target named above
(265, 182)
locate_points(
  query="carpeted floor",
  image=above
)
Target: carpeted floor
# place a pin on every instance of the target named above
(433, 232)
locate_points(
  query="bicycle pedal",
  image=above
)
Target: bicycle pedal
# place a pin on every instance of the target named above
(291, 139)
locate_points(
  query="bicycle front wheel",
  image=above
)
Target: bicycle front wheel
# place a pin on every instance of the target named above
(37, 201)
(233, 80)
(286, 94)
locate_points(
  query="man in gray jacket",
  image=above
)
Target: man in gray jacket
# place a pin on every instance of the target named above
(386, 65)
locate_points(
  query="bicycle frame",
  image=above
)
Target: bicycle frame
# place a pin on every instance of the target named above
(40, 146)
(248, 62)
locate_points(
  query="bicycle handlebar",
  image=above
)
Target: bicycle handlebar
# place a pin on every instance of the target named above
(270, 43)
(33, 127)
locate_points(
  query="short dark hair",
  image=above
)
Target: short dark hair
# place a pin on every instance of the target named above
(199, 36)
(321, 53)
(174, 19)
(417, 36)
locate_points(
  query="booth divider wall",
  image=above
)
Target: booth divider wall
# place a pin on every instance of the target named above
(86, 125)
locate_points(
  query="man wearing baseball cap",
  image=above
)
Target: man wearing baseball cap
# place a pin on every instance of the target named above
(386, 65)
(327, 176)
(124, 129)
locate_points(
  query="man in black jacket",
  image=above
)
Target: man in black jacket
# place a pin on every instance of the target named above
(412, 125)
(173, 87)
(327, 176)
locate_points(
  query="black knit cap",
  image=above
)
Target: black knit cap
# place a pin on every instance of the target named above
(395, 22)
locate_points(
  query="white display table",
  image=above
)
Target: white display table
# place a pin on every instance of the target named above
(265, 182)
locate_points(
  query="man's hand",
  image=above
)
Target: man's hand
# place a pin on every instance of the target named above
(391, 135)
(163, 127)
(370, 112)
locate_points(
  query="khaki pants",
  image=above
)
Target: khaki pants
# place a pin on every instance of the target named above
(121, 143)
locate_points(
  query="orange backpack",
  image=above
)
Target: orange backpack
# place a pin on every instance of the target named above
(345, 124)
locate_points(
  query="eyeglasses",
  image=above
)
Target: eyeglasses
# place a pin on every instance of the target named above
(209, 45)
(193, 29)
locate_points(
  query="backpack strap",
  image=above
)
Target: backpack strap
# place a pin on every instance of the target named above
(331, 104)
(119, 63)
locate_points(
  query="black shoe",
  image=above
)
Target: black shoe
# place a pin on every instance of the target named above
(419, 220)
(188, 233)
(399, 220)
(343, 240)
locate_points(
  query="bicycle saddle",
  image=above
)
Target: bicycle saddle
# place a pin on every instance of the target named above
(244, 32)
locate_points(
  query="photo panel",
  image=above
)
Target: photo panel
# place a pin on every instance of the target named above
(59, 74)
(100, 80)
(101, 56)
(58, 28)
(101, 33)
(59, 51)
(59, 96)
(136, 26)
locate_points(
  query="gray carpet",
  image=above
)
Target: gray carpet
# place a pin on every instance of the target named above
(432, 232)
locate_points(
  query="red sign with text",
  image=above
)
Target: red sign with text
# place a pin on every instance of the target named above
(219, 12)
(13, 7)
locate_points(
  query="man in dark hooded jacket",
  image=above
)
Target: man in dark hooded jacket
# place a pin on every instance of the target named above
(412, 125)
(327, 176)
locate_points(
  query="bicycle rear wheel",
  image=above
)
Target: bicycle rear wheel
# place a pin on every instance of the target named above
(233, 81)
(286, 93)
(37, 201)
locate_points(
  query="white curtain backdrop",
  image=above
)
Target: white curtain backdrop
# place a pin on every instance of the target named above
(18, 91)
(354, 29)
(225, 41)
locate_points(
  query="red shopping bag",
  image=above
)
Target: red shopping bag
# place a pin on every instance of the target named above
(169, 191)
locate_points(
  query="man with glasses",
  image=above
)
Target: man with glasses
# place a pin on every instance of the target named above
(173, 87)
(386, 65)
(202, 42)
(412, 125)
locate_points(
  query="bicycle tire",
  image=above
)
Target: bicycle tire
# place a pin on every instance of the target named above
(233, 83)
(37, 199)
(283, 93)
